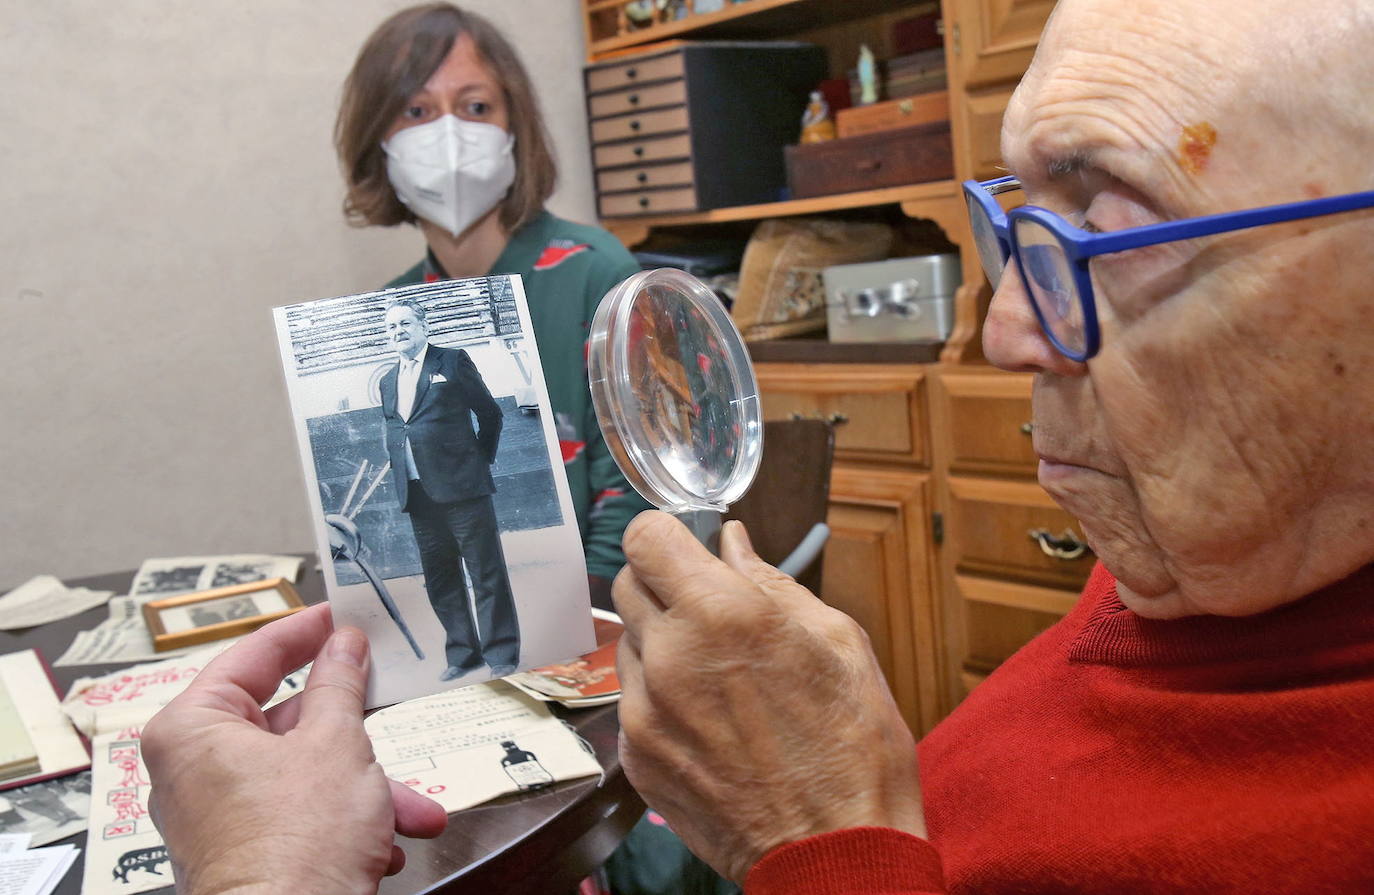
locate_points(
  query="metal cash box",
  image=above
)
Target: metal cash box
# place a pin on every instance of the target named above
(899, 300)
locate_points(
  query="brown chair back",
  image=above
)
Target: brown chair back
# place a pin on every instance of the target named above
(790, 494)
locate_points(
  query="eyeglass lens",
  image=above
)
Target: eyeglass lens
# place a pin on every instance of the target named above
(1050, 279)
(985, 239)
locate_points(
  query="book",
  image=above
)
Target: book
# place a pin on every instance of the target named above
(18, 755)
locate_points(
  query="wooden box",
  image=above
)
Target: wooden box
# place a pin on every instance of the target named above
(923, 108)
(872, 161)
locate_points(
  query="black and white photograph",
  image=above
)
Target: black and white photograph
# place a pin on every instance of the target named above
(436, 483)
(178, 619)
(48, 810)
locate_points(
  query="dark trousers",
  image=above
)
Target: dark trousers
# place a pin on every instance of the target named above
(450, 535)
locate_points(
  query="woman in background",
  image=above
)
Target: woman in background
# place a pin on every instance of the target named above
(439, 127)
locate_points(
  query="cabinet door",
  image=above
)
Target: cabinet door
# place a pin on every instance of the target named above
(877, 571)
(997, 38)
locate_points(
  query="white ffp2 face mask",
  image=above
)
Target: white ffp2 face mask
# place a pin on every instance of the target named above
(450, 171)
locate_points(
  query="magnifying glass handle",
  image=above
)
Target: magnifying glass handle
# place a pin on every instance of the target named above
(704, 525)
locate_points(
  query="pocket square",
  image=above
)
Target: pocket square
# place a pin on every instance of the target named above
(436, 377)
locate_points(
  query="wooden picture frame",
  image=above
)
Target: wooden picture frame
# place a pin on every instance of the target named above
(207, 615)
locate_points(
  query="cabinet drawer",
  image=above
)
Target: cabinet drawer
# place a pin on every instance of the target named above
(674, 93)
(642, 151)
(636, 71)
(879, 412)
(996, 632)
(648, 202)
(629, 126)
(671, 174)
(988, 423)
(990, 530)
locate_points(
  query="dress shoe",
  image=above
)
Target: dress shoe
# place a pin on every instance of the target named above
(502, 670)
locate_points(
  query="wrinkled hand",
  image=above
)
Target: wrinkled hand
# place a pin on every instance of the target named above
(284, 800)
(753, 715)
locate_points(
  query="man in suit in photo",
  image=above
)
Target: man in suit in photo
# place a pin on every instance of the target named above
(441, 469)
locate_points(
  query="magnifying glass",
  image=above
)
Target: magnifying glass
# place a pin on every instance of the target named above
(676, 397)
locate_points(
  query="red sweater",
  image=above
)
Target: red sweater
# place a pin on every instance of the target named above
(1114, 754)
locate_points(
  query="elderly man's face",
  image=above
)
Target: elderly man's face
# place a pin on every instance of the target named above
(405, 332)
(1218, 449)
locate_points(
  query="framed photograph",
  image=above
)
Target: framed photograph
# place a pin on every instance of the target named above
(215, 614)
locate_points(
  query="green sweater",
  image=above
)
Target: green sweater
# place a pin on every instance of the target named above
(567, 268)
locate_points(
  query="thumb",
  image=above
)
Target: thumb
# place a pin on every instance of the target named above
(334, 692)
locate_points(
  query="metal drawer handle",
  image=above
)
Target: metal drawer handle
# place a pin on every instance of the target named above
(1066, 547)
(834, 419)
(1027, 428)
(869, 165)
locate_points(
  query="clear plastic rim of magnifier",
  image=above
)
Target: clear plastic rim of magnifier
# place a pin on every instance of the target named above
(618, 410)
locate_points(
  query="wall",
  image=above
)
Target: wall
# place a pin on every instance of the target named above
(166, 177)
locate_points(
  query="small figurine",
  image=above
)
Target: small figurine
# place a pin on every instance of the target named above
(817, 124)
(868, 77)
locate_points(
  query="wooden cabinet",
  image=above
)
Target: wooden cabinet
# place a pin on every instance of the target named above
(704, 110)
(1011, 562)
(878, 560)
(934, 507)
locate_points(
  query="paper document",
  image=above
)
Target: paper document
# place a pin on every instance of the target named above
(185, 574)
(123, 637)
(464, 747)
(14, 841)
(124, 851)
(44, 599)
(131, 696)
(36, 871)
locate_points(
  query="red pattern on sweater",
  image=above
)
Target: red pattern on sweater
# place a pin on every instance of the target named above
(1115, 754)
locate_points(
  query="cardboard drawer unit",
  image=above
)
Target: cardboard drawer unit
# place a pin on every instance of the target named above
(701, 125)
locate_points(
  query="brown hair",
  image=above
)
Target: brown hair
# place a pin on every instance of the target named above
(392, 66)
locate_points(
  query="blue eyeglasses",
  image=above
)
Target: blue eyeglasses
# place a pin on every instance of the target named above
(1052, 255)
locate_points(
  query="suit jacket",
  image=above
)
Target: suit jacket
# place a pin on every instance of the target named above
(453, 460)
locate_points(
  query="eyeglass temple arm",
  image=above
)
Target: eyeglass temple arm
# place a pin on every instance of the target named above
(1225, 222)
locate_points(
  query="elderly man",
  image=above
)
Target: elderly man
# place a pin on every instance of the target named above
(441, 470)
(1200, 722)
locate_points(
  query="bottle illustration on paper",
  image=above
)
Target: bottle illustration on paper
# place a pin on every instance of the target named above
(523, 767)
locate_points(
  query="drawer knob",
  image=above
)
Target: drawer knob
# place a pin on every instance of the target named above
(643, 201)
(634, 125)
(1066, 547)
(642, 177)
(634, 99)
(631, 72)
(834, 419)
(639, 151)
(1027, 428)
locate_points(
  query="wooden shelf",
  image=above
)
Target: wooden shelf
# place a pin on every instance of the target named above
(752, 18)
(911, 198)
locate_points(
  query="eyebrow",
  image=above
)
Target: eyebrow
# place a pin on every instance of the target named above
(1062, 166)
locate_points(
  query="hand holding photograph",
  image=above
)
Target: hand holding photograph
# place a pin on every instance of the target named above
(436, 483)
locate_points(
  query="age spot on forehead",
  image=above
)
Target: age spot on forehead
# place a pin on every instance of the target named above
(1195, 147)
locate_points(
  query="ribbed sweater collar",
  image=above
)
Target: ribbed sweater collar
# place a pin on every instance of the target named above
(1335, 617)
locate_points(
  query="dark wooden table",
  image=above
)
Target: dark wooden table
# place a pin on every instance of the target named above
(541, 842)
